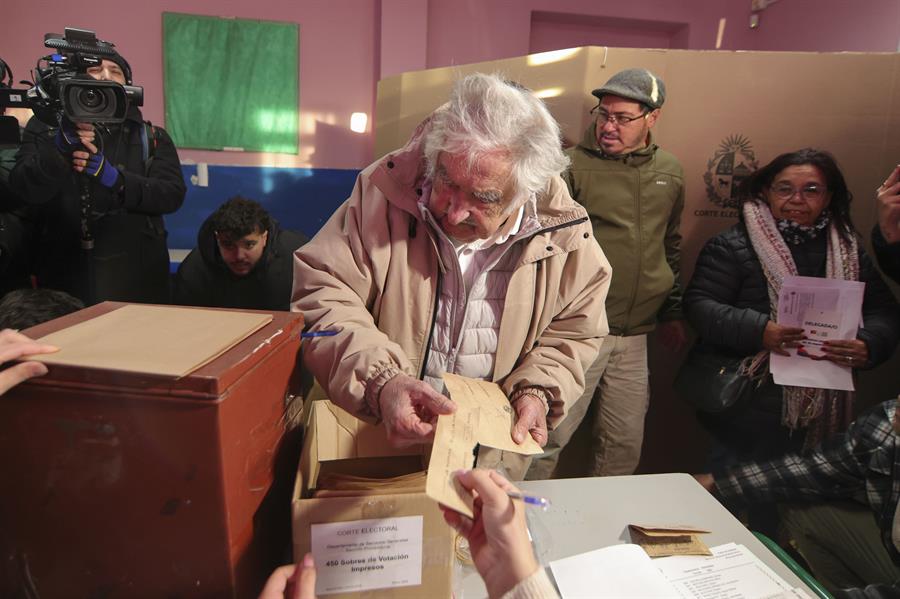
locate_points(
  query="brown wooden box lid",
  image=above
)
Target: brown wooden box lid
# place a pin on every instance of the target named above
(209, 381)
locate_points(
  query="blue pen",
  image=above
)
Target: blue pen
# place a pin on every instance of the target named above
(541, 502)
(327, 333)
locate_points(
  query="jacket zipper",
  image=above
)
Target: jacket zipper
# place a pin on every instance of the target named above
(437, 293)
(640, 253)
(434, 309)
(571, 223)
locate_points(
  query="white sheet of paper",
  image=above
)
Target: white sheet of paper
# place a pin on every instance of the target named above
(619, 571)
(822, 307)
(360, 555)
(732, 572)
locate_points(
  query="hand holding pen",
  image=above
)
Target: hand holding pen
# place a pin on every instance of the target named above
(530, 500)
(497, 535)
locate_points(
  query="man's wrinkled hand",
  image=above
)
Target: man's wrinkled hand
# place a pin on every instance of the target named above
(531, 418)
(409, 409)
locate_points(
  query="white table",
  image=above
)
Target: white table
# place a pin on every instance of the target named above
(589, 513)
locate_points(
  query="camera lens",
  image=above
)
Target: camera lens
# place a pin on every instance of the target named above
(87, 100)
(91, 99)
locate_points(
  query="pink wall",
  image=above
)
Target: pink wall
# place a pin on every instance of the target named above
(473, 30)
(347, 45)
(466, 31)
(823, 26)
(552, 31)
(404, 36)
(337, 62)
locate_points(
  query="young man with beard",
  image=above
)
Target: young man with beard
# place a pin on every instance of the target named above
(243, 259)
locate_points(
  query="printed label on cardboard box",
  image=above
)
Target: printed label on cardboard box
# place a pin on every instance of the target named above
(361, 555)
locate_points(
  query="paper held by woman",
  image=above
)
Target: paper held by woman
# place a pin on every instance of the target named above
(825, 309)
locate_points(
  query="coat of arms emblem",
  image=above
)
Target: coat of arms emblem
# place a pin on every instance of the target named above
(733, 162)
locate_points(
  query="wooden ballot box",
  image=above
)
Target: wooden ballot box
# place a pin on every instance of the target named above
(119, 484)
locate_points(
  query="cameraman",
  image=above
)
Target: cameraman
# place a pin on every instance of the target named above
(134, 178)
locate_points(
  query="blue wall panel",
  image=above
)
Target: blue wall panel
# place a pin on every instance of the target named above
(299, 198)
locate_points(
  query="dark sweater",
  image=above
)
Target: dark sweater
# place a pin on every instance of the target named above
(203, 279)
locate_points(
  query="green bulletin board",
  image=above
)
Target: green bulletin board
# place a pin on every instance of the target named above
(231, 84)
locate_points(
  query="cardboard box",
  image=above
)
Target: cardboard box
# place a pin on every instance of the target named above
(337, 442)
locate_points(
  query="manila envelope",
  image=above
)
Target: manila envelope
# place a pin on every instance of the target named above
(483, 417)
(665, 540)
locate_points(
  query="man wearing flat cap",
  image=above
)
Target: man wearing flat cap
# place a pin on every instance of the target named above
(634, 194)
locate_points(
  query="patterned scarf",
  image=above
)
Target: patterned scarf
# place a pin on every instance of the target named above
(796, 234)
(823, 412)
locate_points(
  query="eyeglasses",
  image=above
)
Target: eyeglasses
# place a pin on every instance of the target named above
(619, 120)
(807, 192)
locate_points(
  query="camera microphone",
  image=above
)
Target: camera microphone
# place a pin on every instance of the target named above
(79, 40)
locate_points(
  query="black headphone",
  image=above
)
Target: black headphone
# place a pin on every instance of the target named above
(119, 60)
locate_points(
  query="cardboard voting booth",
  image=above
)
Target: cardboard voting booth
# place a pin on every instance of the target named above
(726, 114)
(150, 478)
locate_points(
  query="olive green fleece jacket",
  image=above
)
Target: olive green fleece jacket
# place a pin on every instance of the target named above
(635, 203)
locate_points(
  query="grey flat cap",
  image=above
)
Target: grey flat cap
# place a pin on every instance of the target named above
(639, 85)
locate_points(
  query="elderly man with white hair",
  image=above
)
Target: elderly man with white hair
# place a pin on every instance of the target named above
(462, 252)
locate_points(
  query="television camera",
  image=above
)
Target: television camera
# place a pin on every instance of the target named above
(63, 88)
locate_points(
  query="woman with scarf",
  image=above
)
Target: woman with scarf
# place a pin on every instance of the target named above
(794, 220)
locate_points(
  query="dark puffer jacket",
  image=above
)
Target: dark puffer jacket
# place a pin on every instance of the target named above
(203, 279)
(727, 300)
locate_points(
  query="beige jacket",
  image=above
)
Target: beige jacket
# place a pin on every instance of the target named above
(372, 274)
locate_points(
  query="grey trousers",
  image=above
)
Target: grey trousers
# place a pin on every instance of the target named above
(841, 542)
(618, 384)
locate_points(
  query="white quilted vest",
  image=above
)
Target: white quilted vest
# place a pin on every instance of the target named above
(470, 305)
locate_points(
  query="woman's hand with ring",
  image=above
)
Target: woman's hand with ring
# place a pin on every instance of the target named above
(778, 338)
(852, 352)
